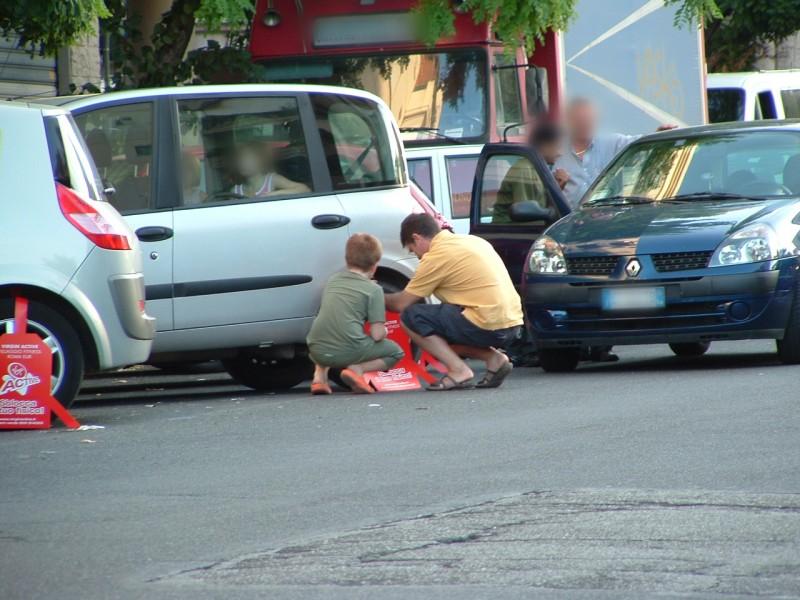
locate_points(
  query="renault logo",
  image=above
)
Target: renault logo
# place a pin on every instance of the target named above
(633, 268)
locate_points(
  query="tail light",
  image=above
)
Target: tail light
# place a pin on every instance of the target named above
(88, 221)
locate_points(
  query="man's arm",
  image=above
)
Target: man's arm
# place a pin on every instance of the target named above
(399, 301)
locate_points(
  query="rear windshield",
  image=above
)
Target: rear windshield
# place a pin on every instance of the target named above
(69, 159)
(725, 104)
(361, 151)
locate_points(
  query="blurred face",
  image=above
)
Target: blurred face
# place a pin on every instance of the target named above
(581, 120)
(248, 162)
(419, 245)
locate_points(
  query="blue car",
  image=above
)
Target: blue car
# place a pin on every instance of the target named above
(687, 237)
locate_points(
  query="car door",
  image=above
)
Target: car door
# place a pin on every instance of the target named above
(511, 177)
(258, 231)
(121, 136)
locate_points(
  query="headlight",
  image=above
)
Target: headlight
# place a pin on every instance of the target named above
(754, 243)
(547, 257)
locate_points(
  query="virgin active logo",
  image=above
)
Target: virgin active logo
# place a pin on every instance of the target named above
(18, 380)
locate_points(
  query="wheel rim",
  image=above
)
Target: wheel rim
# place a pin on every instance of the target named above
(7, 326)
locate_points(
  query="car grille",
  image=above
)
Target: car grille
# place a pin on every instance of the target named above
(680, 261)
(591, 265)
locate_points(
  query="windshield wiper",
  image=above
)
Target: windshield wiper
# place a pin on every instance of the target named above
(709, 196)
(433, 131)
(621, 200)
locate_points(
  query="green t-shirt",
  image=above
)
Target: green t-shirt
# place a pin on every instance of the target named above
(349, 301)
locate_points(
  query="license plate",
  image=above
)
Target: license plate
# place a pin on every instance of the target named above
(633, 298)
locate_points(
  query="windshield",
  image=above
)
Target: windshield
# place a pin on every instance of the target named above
(433, 95)
(742, 164)
(725, 104)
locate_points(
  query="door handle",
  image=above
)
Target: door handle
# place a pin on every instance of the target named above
(153, 233)
(329, 221)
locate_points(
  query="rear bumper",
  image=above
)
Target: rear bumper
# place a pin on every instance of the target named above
(106, 291)
(128, 293)
(711, 304)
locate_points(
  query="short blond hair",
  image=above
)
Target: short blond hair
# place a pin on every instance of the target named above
(363, 251)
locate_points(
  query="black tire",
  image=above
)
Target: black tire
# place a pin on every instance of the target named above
(559, 360)
(789, 346)
(68, 359)
(690, 349)
(266, 374)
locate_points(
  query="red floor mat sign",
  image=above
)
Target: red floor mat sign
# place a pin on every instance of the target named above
(26, 367)
(406, 374)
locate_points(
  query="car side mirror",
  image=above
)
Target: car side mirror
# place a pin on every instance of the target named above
(528, 211)
(536, 90)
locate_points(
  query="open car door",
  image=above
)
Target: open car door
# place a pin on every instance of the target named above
(514, 199)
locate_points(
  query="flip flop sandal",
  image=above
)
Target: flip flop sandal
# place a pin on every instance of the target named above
(494, 379)
(441, 386)
(356, 382)
(320, 389)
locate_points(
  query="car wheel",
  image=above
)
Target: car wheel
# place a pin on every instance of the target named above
(559, 360)
(56, 331)
(690, 349)
(267, 374)
(789, 346)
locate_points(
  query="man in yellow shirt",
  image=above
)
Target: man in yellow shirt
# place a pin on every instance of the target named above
(480, 312)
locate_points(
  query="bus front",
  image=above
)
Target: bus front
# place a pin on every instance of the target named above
(466, 89)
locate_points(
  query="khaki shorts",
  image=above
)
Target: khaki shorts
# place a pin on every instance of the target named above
(386, 350)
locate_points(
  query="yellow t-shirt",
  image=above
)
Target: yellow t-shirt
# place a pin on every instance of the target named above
(466, 271)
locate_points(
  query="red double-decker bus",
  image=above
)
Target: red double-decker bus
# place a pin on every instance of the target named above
(467, 88)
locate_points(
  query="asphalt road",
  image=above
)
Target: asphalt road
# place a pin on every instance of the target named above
(648, 476)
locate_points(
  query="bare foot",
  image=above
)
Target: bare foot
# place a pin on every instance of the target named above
(462, 374)
(497, 360)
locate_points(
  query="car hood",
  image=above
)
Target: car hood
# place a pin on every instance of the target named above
(658, 227)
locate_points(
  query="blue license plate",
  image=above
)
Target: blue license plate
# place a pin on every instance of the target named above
(633, 298)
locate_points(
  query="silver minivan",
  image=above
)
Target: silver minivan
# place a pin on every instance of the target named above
(66, 250)
(243, 197)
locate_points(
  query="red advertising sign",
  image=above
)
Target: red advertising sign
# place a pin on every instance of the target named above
(26, 365)
(406, 374)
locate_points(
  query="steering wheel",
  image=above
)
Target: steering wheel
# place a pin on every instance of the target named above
(225, 195)
(765, 188)
(358, 162)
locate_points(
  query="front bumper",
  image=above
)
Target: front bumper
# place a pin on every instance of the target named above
(722, 303)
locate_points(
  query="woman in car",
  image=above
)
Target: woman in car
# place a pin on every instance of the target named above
(254, 162)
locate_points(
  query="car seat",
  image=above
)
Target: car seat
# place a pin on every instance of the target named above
(791, 174)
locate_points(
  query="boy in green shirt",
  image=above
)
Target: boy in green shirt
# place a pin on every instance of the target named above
(338, 338)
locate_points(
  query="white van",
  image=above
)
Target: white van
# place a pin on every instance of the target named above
(753, 96)
(445, 173)
(242, 197)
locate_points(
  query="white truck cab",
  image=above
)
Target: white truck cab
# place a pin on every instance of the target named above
(753, 96)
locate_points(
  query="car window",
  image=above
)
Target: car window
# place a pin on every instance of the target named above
(421, 173)
(791, 103)
(507, 180)
(358, 149)
(68, 159)
(725, 104)
(241, 148)
(765, 106)
(120, 140)
(460, 175)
